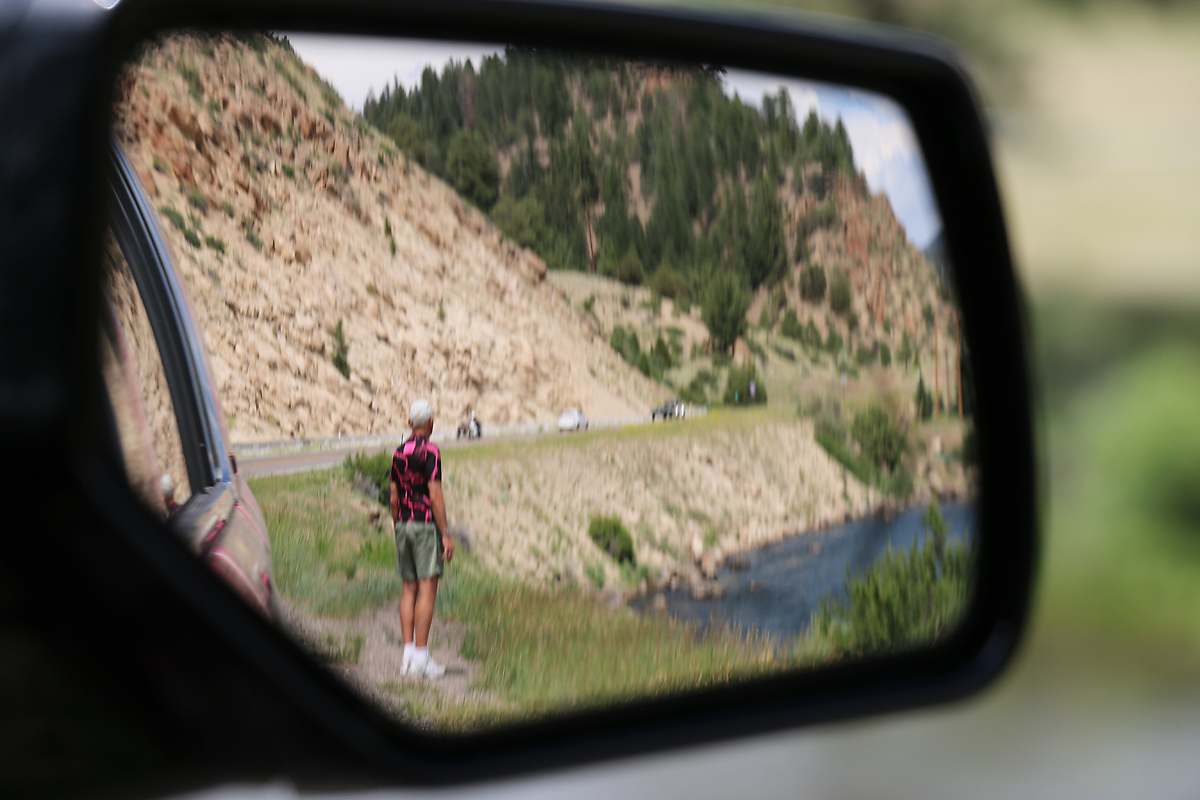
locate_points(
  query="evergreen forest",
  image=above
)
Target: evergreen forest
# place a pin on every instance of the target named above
(646, 172)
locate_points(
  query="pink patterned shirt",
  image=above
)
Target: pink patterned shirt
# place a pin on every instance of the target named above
(414, 465)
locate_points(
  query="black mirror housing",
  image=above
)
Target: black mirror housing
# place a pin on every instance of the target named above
(153, 642)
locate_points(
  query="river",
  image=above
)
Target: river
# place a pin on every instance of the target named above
(783, 582)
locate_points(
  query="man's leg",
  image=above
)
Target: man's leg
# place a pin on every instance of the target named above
(409, 612)
(425, 595)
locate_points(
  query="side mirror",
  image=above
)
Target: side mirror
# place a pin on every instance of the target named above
(720, 310)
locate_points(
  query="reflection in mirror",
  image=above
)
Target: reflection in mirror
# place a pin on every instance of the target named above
(701, 406)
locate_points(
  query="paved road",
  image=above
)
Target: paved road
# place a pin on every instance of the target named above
(287, 463)
(253, 466)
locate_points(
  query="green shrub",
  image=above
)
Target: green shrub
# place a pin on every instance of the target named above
(192, 79)
(196, 200)
(812, 283)
(288, 170)
(173, 216)
(880, 438)
(160, 165)
(643, 364)
(191, 238)
(724, 309)
(865, 355)
(227, 208)
(626, 343)
(839, 295)
(589, 305)
(341, 351)
(823, 216)
(885, 355)
(251, 236)
(375, 468)
(611, 536)
(627, 269)
(669, 282)
(784, 352)
(595, 573)
(906, 598)
(215, 243)
(811, 336)
(791, 327)
(923, 399)
(660, 357)
(834, 342)
(337, 170)
(737, 387)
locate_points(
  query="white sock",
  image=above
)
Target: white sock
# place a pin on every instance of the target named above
(409, 647)
(420, 655)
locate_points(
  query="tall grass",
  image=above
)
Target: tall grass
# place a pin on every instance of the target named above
(328, 556)
(539, 648)
(547, 649)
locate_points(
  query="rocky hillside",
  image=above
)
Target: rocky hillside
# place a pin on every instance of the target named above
(851, 233)
(334, 280)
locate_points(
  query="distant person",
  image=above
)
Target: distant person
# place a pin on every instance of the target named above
(168, 492)
(419, 512)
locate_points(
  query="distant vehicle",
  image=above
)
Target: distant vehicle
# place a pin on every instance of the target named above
(471, 429)
(672, 409)
(572, 420)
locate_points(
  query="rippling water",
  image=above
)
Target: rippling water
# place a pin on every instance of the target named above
(783, 583)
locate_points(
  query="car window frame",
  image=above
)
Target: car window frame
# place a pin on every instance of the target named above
(141, 241)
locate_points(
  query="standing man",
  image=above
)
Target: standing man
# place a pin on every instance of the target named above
(419, 511)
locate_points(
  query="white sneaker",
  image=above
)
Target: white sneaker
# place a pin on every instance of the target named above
(430, 669)
(406, 663)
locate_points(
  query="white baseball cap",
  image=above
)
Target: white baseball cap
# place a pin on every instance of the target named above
(420, 412)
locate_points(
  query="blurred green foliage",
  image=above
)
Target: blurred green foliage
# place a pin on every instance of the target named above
(905, 599)
(611, 536)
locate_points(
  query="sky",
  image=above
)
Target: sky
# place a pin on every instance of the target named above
(885, 147)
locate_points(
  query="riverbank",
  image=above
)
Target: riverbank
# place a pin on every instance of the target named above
(689, 492)
(514, 649)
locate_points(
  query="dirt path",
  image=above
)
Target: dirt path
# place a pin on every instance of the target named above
(366, 653)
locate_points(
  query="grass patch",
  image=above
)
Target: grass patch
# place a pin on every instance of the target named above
(543, 650)
(328, 557)
(347, 651)
(539, 649)
(192, 78)
(251, 236)
(215, 243)
(174, 217)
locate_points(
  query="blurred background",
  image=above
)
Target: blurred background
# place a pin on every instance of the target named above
(1094, 107)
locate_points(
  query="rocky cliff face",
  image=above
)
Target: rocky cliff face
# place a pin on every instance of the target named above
(891, 281)
(288, 216)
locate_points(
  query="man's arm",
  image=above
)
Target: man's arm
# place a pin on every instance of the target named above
(395, 500)
(438, 502)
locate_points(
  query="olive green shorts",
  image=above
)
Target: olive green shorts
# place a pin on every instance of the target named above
(418, 550)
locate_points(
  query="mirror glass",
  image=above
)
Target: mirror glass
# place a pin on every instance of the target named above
(692, 403)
